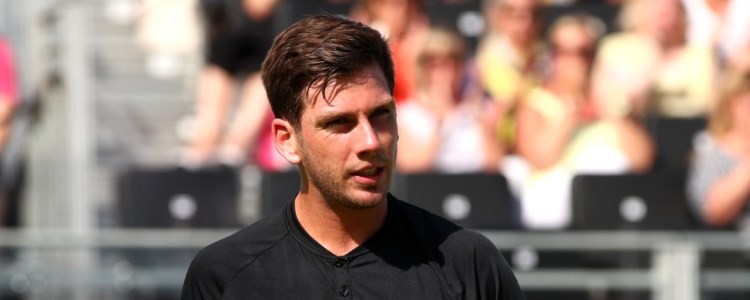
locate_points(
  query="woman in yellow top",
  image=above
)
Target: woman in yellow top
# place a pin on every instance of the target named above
(560, 133)
(649, 68)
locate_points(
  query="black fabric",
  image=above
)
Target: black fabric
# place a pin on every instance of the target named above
(600, 202)
(177, 197)
(236, 43)
(415, 255)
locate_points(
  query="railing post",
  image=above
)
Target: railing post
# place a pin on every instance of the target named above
(676, 271)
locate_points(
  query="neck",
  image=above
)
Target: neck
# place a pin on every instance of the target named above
(738, 140)
(337, 228)
(566, 87)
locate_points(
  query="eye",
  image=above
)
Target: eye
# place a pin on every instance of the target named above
(336, 121)
(383, 118)
(339, 124)
(381, 113)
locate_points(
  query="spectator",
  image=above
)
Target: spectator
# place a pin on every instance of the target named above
(719, 176)
(8, 102)
(237, 45)
(167, 30)
(649, 68)
(507, 54)
(722, 25)
(438, 129)
(559, 135)
(627, 61)
(506, 61)
(404, 24)
(684, 78)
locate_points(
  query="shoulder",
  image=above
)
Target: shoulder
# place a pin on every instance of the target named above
(218, 263)
(623, 43)
(423, 222)
(620, 39)
(469, 261)
(547, 104)
(703, 141)
(438, 232)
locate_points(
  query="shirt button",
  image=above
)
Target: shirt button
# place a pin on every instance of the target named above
(344, 291)
(339, 263)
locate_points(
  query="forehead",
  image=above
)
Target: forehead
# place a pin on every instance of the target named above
(571, 34)
(518, 4)
(364, 88)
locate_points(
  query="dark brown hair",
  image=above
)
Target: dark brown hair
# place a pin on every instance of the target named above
(317, 50)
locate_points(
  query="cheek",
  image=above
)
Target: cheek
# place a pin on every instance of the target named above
(741, 110)
(387, 129)
(742, 104)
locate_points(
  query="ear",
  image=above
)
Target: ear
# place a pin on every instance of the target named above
(285, 139)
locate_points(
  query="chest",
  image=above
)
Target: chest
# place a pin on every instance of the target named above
(369, 276)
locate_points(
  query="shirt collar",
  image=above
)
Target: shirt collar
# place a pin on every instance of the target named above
(309, 244)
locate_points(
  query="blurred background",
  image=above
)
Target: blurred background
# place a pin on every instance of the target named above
(602, 145)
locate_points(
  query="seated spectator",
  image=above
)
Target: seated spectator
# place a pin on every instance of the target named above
(625, 63)
(720, 25)
(560, 135)
(718, 183)
(236, 47)
(685, 79)
(438, 130)
(649, 66)
(507, 54)
(167, 31)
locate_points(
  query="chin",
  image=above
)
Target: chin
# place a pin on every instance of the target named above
(365, 199)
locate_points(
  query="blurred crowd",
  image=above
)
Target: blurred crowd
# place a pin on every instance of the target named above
(537, 100)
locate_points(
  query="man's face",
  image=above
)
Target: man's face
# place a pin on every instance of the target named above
(347, 144)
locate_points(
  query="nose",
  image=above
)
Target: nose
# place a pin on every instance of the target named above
(369, 140)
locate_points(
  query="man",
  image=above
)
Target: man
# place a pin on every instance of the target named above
(330, 84)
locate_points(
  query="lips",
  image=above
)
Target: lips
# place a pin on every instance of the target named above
(371, 175)
(369, 172)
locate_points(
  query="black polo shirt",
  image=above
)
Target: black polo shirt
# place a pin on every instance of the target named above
(415, 255)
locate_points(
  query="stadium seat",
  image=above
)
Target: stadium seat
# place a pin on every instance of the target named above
(177, 197)
(653, 201)
(277, 189)
(673, 138)
(475, 201)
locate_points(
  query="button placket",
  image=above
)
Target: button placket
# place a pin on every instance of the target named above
(340, 262)
(344, 291)
(343, 277)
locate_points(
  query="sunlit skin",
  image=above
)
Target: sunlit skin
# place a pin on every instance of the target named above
(345, 147)
(740, 114)
(728, 196)
(516, 20)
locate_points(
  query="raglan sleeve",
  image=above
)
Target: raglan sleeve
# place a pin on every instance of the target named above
(202, 281)
(495, 278)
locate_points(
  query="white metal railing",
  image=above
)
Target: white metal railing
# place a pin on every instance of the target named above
(674, 272)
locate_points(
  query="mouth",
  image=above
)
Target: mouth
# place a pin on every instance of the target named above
(369, 176)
